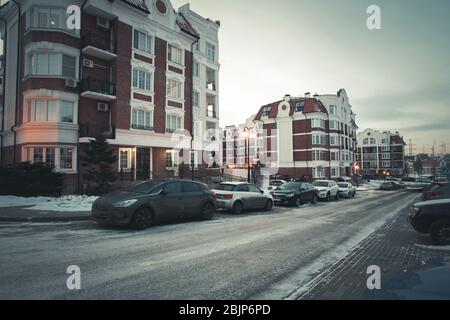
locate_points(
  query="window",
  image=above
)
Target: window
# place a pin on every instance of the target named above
(175, 55)
(48, 18)
(366, 141)
(373, 141)
(334, 156)
(66, 112)
(65, 158)
(318, 155)
(333, 109)
(211, 51)
(142, 42)
(385, 156)
(142, 80)
(173, 123)
(195, 99)
(124, 159)
(335, 172)
(142, 120)
(59, 158)
(174, 89)
(196, 69)
(318, 172)
(266, 111)
(334, 140)
(385, 148)
(52, 64)
(319, 139)
(333, 125)
(318, 123)
(50, 111)
(386, 164)
(171, 160)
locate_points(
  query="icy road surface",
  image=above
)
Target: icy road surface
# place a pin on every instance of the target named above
(256, 255)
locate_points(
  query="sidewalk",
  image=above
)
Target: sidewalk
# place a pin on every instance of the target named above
(395, 247)
(21, 214)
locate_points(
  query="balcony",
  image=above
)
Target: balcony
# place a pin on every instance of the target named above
(98, 90)
(211, 86)
(89, 130)
(99, 47)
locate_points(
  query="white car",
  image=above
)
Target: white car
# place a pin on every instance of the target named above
(346, 189)
(327, 189)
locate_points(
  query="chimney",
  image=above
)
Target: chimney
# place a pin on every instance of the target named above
(308, 95)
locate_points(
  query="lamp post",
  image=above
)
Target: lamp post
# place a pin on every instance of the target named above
(247, 136)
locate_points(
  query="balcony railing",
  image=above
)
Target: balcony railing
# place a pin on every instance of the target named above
(99, 42)
(98, 86)
(89, 130)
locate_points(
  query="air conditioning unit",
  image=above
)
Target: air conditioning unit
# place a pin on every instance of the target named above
(71, 83)
(103, 107)
(103, 23)
(87, 63)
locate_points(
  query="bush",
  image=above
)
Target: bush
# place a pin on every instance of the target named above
(30, 180)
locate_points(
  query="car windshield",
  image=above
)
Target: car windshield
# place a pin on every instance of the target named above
(227, 187)
(343, 185)
(276, 183)
(144, 187)
(290, 186)
(320, 183)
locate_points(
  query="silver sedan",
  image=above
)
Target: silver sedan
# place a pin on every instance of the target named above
(240, 196)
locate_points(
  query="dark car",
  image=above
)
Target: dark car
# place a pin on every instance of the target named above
(142, 205)
(436, 191)
(433, 218)
(295, 193)
(390, 185)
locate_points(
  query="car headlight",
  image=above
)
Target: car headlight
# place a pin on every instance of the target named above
(125, 204)
(414, 211)
(290, 195)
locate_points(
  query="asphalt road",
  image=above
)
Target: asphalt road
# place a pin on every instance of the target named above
(257, 255)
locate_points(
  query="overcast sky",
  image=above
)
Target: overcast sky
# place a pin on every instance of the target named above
(397, 78)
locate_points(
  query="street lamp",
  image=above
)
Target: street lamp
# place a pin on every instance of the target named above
(247, 135)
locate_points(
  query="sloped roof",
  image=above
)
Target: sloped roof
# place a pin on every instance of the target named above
(138, 4)
(311, 105)
(395, 139)
(185, 26)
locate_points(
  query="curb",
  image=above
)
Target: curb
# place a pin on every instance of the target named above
(45, 219)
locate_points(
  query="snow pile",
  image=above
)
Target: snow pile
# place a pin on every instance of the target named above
(440, 248)
(373, 185)
(63, 204)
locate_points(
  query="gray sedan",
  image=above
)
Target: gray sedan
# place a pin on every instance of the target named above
(144, 204)
(239, 196)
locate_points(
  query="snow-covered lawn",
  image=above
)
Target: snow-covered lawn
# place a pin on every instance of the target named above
(373, 185)
(64, 204)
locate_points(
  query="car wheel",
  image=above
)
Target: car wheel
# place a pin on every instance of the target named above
(328, 196)
(207, 211)
(440, 232)
(237, 207)
(142, 219)
(337, 196)
(269, 205)
(314, 199)
(298, 201)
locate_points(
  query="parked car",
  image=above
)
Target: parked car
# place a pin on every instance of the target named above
(240, 196)
(144, 204)
(433, 218)
(346, 189)
(327, 189)
(390, 185)
(295, 193)
(273, 184)
(436, 191)
(344, 179)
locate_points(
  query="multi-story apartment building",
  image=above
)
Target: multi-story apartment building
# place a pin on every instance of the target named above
(309, 136)
(126, 74)
(241, 144)
(380, 152)
(206, 69)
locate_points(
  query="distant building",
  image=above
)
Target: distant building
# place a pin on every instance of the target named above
(308, 136)
(380, 152)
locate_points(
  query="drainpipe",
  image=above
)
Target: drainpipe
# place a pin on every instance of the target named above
(329, 147)
(307, 147)
(192, 109)
(19, 78)
(80, 72)
(5, 47)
